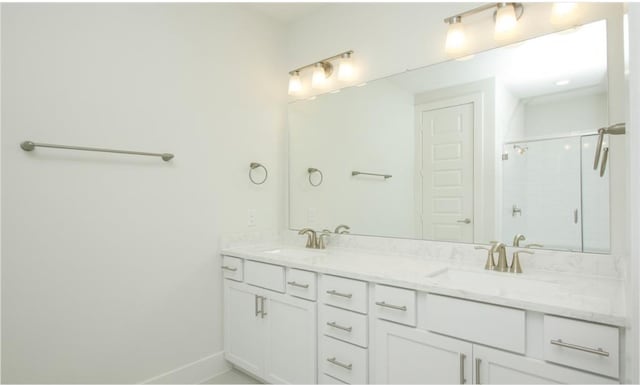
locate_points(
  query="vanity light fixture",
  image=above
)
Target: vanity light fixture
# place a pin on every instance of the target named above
(322, 70)
(345, 68)
(295, 85)
(455, 36)
(506, 16)
(506, 20)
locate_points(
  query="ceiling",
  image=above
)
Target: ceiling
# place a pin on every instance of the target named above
(287, 12)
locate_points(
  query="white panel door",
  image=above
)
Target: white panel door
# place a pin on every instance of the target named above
(405, 355)
(493, 366)
(290, 343)
(447, 173)
(243, 328)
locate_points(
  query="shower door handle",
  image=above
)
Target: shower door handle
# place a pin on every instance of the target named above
(575, 216)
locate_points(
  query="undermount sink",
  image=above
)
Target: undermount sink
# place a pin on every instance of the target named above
(492, 282)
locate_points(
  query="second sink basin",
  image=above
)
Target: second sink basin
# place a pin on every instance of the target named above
(492, 282)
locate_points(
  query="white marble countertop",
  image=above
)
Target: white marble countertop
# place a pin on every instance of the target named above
(590, 298)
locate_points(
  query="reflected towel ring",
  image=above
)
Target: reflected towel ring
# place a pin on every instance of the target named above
(253, 166)
(312, 170)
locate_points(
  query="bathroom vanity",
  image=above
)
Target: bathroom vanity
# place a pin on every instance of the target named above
(296, 315)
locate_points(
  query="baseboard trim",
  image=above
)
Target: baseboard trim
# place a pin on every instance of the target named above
(194, 372)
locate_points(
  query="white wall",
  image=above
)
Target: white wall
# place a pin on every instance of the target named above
(110, 265)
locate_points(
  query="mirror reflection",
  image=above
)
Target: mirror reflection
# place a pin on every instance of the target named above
(496, 146)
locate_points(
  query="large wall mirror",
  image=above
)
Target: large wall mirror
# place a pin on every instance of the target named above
(471, 150)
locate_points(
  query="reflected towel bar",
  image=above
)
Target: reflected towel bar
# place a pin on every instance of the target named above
(30, 146)
(385, 176)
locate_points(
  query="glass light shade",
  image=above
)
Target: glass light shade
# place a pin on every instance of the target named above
(455, 43)
(505, 21)
(345, 70)
(319, 76)
(295, 85)
(563, 13)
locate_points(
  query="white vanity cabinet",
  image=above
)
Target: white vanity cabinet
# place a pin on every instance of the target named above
(271, 335)
(406, 355)
(296, 325)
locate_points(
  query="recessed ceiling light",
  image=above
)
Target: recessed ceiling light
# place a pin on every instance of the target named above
(563, 82)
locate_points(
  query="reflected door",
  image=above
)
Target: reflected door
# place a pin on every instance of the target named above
(447, 172)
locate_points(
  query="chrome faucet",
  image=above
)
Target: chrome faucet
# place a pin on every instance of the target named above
(342, 229)
(517, 239)
(311, 237)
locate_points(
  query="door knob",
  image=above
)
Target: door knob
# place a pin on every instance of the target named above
(466, 220)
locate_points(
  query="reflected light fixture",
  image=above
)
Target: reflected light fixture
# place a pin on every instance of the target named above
(562, 12)
(295, 85)
(345, 68)
(455, 36)
(506, 16)
(322, 70)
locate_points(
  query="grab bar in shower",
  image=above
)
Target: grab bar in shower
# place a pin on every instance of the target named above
(616, 129)
(30, 146)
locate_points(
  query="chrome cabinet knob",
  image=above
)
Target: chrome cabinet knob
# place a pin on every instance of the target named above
(466, 221)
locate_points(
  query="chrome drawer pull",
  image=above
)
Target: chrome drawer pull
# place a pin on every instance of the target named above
(478, 362)
(335, 325)
(336, 362)
(296, 284)
(598, 351)
(395, 307)
(230, 268)
(333, 292)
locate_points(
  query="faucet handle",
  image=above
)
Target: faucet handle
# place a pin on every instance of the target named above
(490, 264)
(531, 245)
(515, 263)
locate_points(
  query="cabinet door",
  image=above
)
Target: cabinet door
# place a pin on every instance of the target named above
(405, 355)
(493, 366)
(243, 328)
(290, 340)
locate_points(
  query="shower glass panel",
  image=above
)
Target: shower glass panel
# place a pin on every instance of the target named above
(552, 194)
(595, 201)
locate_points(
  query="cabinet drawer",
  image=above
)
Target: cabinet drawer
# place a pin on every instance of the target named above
(491, 325)
(344, 292)
(343, 361)
(301, 283)
(327, 379)
(264, 275)
(232, 268)
(582, 345)
(345, 325)
(395, 304)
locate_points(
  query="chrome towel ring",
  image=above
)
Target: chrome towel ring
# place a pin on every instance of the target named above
(311, 171)
(253, 166)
